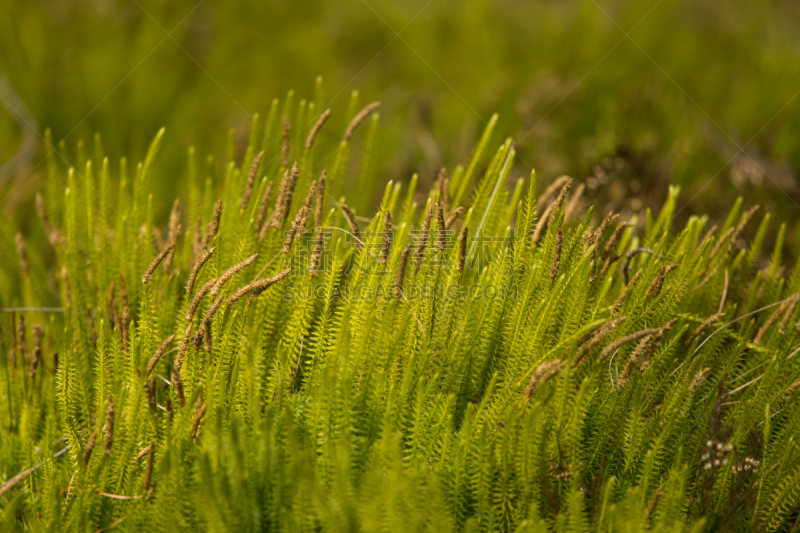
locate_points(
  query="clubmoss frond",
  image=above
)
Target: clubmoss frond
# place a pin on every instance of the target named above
(511, 386)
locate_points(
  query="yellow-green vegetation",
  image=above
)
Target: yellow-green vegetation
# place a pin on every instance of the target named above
(284, 354)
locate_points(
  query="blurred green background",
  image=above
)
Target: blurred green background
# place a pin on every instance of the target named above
(649, 91)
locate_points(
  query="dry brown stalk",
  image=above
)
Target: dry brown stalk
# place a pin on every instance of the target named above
(126, 322)
(618, 303)
(196, 269)
(87, 451)
(251, 180)
(315, 254)
(610, 246)
(53, 234)
(423, 238)
(262, 208)
(320, 199)
(707, 236)
(176, 367)
(152, 268)
(232, 271)
(462, 249)
(352, 222)
(441, 237)
(162, 348)
(148, 472)
(556, 255)
(109, 426)
(23, 254)
(572, 206)
(611, 348)
(595, 338)
(401, 271)
(453, 216)
(787, 316)
(654, 289)
(444, 191)
(358, 119)
(541, 224)
(285, 143)
(745, 219)
(315, 129)
(699, 329)
(197, 244)
(762, 331)
(288, 195)
(387, 237)
(720, 241)
(552, 188)
(257, 286)
(543, 373)
(174, 230)
(199, 297)
(560, 199)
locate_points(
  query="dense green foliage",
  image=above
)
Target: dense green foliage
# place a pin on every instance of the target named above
(574, 372)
